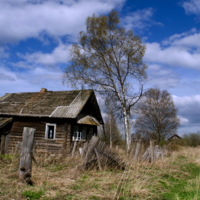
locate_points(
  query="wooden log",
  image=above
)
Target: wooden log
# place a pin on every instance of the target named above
(91, 146)
(98, 160)
(137, 150)
(151, 151)
(26, 158)
(74, 149)
(3, 142)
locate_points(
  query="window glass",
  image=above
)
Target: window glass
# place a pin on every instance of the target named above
(50, 131)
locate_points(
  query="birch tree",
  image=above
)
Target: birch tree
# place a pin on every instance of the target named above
(108, 59)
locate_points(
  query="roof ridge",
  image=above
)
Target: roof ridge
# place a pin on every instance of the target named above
(50, 91)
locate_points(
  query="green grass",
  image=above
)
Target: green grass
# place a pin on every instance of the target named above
(183, 186)
(32, 195)
(175, 177)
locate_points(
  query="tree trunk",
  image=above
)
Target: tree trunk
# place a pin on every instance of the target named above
(26, 155)
(127, 129)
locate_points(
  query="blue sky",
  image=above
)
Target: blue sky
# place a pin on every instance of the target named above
(36, 36)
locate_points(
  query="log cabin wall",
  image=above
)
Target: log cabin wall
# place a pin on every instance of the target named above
(42, 145)
(62, 143)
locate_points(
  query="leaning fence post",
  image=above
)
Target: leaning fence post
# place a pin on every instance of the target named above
(91, 146)
(26, 152)
(151, 151)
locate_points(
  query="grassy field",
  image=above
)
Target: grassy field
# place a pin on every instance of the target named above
(174, 177)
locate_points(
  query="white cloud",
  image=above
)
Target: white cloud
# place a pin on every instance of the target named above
(30, 80)
(183, 120)
(139, 19)
(192, 7)
(187, 100)
(183, 52)
(188, 107)
(5, 77)
(59, 55)
(188, 113)
(24, 19)
(163, 82)
(22, 65)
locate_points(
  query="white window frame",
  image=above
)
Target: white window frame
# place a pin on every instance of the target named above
(46, 131)
(77, 138)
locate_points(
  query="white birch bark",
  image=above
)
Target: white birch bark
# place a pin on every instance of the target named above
(127, 129)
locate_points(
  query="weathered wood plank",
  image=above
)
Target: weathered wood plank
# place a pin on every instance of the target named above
(26, 158)
(91, 146)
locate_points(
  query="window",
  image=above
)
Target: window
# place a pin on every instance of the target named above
(79, 135)
(50, 131)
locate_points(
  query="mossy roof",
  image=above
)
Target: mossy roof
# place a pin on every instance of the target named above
(56, 104)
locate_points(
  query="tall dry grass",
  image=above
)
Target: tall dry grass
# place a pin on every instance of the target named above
(61, 178)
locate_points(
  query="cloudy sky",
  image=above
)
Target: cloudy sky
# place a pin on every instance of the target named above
(36, 35)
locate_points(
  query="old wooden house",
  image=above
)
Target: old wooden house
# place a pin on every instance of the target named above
(59, 117)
